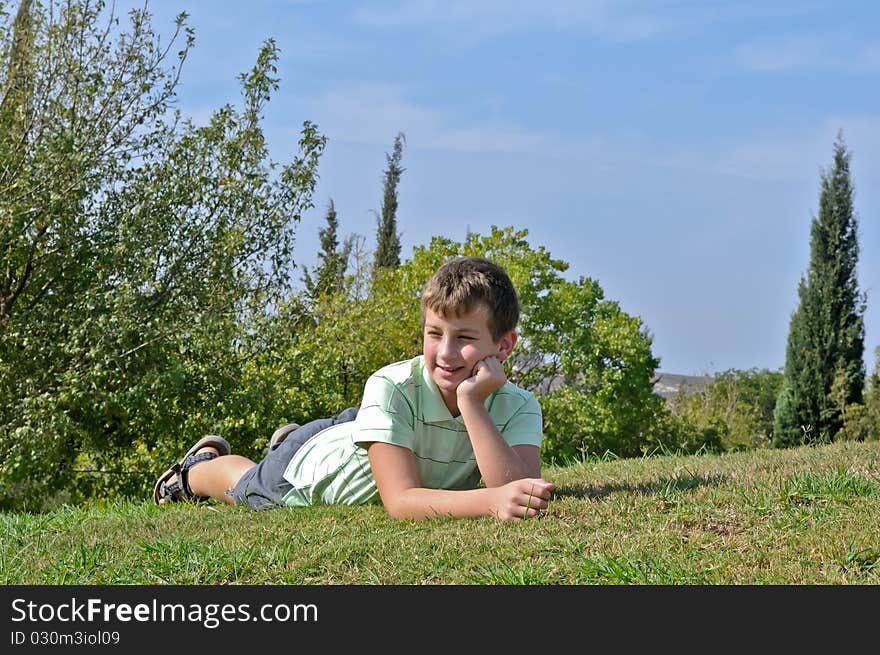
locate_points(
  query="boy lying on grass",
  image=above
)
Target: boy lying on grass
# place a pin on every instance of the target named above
(427, 430)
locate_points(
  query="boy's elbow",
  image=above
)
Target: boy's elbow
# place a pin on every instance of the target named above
(397, 508)
(395, 512)
(401, 514)
(402, 509)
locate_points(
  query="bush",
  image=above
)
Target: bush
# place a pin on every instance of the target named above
(736, 408)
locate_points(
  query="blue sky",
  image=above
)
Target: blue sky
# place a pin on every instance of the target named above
(671, 150)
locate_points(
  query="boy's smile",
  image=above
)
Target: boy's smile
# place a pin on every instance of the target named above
(453, 345)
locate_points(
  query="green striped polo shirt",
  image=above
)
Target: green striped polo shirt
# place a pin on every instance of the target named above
(401, 405)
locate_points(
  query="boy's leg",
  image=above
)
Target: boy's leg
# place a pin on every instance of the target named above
(206, 479)
(238, 480)
(303, 433)
(264, 486)
(214, 478)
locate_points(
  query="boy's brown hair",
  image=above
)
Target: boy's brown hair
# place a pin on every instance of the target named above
(467, 283)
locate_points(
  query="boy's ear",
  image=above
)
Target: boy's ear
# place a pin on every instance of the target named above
(506, 344)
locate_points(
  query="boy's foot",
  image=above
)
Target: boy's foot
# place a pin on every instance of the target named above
(281, 434)
(173, 484)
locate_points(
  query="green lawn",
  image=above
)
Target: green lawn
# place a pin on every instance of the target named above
(808, 515)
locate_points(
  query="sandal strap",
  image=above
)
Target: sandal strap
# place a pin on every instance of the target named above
(183, 470)
(191, 460)
(175, 491)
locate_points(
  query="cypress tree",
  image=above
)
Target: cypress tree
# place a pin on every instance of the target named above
(15, 106)
(330, 273)
(826, 335)
(387, 238)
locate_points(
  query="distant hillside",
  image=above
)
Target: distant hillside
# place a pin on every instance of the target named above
(669, 385)
(666, 385)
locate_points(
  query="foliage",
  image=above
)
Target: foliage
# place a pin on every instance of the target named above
(826, 335)
(387, 254)
(595, 364)
(330, 274)
(315, 354)
(736, 408)
(139, 249)
(860, 420)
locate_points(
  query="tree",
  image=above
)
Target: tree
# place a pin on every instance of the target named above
(872, 401)
(737, 405)
(136, 248)
(860, 421)
(826, 333)
(387, 239)
(593, 367)
(330, 274)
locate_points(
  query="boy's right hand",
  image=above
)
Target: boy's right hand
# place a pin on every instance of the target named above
(487, 377)
(520, 499)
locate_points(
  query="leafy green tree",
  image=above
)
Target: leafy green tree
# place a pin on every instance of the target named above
(138, 251)
(826, 334)
(594, 365)
(861, 421)
(330, 274)
(736, 407)
(387, 254)
(872, 401)
(873, 397)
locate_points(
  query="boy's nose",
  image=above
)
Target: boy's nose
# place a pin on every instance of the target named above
(447, 347)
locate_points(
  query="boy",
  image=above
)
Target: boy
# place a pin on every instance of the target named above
(426, 432)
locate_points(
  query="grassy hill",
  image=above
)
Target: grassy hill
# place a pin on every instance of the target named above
(808, 515)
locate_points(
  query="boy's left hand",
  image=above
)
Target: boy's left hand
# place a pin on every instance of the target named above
(488, 376)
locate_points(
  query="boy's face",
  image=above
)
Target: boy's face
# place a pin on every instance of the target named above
(453, 345)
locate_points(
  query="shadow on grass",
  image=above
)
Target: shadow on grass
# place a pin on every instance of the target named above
(660, 487)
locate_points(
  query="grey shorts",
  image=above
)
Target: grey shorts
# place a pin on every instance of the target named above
(264, 486)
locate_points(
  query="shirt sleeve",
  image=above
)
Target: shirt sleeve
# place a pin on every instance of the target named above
(526, 424)
(385, 415)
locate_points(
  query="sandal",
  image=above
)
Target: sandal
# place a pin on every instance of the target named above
(179, 489)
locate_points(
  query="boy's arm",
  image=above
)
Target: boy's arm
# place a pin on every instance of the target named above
(397, 478)
(499, 463)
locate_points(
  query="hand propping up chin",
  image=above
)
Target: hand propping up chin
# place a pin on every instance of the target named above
(488, 376)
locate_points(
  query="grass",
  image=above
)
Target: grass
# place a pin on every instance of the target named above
(808, 515)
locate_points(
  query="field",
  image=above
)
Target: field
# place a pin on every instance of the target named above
(802, 516)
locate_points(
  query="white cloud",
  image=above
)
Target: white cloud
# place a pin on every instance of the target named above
(823, 53)
(469, 21)
(374, 113)
(774, 158)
